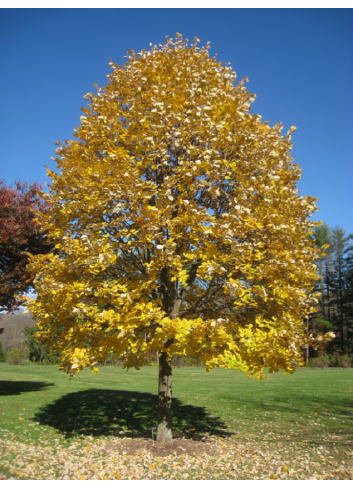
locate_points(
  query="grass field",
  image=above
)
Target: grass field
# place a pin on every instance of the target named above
(294, 426)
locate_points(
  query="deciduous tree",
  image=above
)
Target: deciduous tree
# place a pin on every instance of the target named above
(38, 352)
(19, 233)
(177, 225)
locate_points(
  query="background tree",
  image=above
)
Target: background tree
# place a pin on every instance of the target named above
(16, 356)
(322, 237)
(19, 233)
(335, 312)
(13, 336)
(177, 227)
(38, 352)
(2, 353)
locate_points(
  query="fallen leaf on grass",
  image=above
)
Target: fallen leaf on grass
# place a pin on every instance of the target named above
(213, 458)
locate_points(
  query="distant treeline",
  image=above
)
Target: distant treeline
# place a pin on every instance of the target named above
(18, 343)
(335, 307)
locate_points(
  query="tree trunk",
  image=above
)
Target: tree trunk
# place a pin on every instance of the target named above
(172, 301)
(164, 430)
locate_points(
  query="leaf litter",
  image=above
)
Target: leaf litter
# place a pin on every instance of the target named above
(209, 458)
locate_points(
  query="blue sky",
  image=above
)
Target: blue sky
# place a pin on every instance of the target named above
(299, 63)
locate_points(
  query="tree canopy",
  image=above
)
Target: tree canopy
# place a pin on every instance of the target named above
(177, 225)
(19, 234)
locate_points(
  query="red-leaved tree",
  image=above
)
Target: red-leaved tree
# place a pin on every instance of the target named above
(19, 233)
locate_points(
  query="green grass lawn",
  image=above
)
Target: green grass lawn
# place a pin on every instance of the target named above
(312, 409)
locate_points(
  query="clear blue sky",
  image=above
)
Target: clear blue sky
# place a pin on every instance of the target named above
(299, 63)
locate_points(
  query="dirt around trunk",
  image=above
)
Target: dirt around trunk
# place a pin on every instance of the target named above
(176, 447)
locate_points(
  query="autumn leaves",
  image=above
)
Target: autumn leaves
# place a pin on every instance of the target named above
(175, 198)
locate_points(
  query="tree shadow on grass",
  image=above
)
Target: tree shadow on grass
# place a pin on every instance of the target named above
(97, 412)
(17, 387)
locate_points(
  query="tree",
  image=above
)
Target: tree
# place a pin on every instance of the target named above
(349, 295)
(13, 336)
(16, 356)
(37, 351)
(335, 284)
(2, 353)
(177, 227)
(322, 236)
(19, 234)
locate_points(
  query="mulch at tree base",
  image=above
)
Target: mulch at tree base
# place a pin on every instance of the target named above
(179, 446)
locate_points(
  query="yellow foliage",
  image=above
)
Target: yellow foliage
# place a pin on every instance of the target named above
(177, 224)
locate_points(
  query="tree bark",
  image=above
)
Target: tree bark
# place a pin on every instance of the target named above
(164, 430)
(172, 299)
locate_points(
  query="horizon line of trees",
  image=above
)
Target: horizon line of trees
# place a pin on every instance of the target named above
(335, 307)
